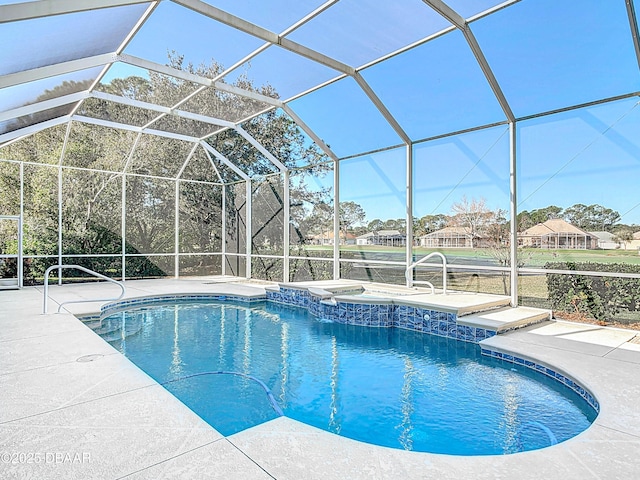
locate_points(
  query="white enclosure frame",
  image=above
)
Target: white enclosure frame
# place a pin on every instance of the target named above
(38, 9)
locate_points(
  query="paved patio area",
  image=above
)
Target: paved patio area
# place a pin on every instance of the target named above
(72, 407)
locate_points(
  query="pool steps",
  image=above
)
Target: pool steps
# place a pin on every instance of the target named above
(506, 319)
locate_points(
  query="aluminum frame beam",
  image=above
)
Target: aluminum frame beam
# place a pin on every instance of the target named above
(318, 141)
(513, 214)
(30, 10)
(215, 169)
(187, 160)
(138, 25)
(223, 214)
(34, 74)
(407, 47)
(488, 73)
(123, 44)
(286, 227)
(44, 105)
(106, 123)
(129, 102)
(248, 227)
(26, 10)
(31, 129)
(409, 206)
(161, 109)
(131, 128)
(224, 160)
(336, 220)
(461, 24)
(260, 148)
(247, 27)
(310, 16)
(225, 87)
(191, 77)
(18, 219)
(164, 69)
(266, 45)
(65, 142)
(176, 228)
(175, 136)
(192, 116)
(382, 108)
(633, 25)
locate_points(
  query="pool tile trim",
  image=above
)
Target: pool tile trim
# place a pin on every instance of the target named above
(117, 306)
(381, 313)
(545, 370)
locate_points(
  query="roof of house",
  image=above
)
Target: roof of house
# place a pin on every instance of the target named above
(604, 236)
(553, 225)
(382, 233)
(329, 235)
(452, 230)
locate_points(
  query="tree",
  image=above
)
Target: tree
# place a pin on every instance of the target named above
(623, 237)
(320, 220)
(618, 227)
(90, 224)
(399, 224)
(351, 214)
(200, 229)
(497, 228)
(474, 217)
(276, 132)
(91, 209)
(430, 223)
(375, 225)
(529, 219)
(591, 217)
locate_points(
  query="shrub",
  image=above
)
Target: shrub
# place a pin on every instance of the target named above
(600, 298)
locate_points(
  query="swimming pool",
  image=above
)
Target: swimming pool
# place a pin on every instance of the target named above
(386, 386)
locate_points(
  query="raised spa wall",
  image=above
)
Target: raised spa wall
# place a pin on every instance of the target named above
(370, 311)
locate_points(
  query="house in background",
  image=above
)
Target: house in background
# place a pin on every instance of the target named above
(388, 238)
(607, 240)
(557, 233)
(454, 237)
(326, 238)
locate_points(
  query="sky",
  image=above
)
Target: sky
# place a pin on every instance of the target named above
(588, 156)
(545, 54)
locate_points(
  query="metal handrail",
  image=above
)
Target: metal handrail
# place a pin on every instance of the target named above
(86, 270)
(408, 274)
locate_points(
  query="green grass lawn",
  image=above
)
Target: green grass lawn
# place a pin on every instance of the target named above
(531, 257)
(537, 257)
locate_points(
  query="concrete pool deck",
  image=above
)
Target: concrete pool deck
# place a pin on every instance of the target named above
(73, 407)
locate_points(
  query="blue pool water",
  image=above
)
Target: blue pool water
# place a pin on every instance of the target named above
(386, 386)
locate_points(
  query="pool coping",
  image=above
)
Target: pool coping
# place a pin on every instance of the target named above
(285, 449)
